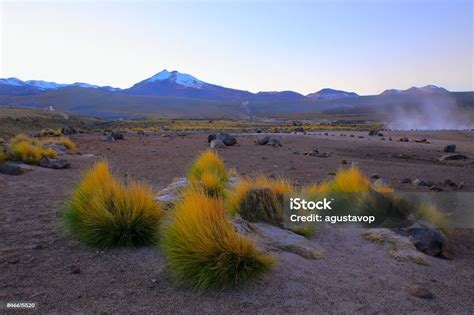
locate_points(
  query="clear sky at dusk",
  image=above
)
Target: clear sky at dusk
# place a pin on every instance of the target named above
(361, 46)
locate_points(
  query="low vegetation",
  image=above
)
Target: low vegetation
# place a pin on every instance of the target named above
(50, 133)
(208, 172)
(33, 150)
(105, 212)
(203, 249)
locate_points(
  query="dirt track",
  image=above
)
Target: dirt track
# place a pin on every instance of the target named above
(357, 276)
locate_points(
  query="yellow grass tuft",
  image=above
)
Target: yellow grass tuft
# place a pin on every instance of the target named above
(350, 180)
(104, 212)
(50, 133)
(30, 153)
(203, 249)
(209, 172)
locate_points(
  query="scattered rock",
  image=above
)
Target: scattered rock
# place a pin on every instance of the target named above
(273, 238)
(75, 270)
(373, 133)
(14, 168)
(450, 148)
(461, 185)
(406, 180)
(68, 131)
(375, 176)
(211, 137)
(352, 136)
(453, 157)
(361, 137)
(59, 148)
(428, 239)
(108, 138)
(422, 141)
(404, 139)
(297, 123)
(400, 247)
(226, 138)
(274, 142)
(54, 163)
(299, 129)
(422, 182)
(316, 153)
(262, 140)
(217, 144)
(420, 292)
(382, 182)
(448, 182)
(389, 138)
(435, 188)
(117, 135)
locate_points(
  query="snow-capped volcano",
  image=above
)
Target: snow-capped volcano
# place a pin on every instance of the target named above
(178, 78)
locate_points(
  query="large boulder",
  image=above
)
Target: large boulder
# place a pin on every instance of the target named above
(217, 144)
(14, 168)
(272, 238)
(54, 163)
(428, 239)
(226, 138)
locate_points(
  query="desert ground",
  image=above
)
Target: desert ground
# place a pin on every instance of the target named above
(40, 263)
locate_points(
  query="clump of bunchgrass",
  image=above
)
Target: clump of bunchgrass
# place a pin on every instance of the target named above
(30, 153)
(208, 172)
(50, 133)
(277, 187)
(203, 249)
(104, 212)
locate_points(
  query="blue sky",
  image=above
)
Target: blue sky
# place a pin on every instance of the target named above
(361, 46)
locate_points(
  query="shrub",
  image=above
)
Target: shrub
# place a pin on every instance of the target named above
(50, 133)
(350, 180)
(30, 153)
(278, 187)
(104, 212)
(23, 138)
(204, 251)
(209, 172)
(3, 156)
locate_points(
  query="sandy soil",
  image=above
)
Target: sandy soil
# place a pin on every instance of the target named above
(356, 277)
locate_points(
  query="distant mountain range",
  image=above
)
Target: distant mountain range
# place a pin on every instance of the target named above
(176, 84)
(178, 94)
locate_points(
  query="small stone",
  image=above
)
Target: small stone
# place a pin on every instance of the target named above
(375, 176)
(448, 182)
(450, 148)
(406, 180)
(420, 292)
(75, 270)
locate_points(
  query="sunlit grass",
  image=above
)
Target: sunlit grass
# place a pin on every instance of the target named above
(208, 172)
(204, 251)
(104, 212)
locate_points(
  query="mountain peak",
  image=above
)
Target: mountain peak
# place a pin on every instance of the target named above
(328, 94)
(428, 89)
(174, 76)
